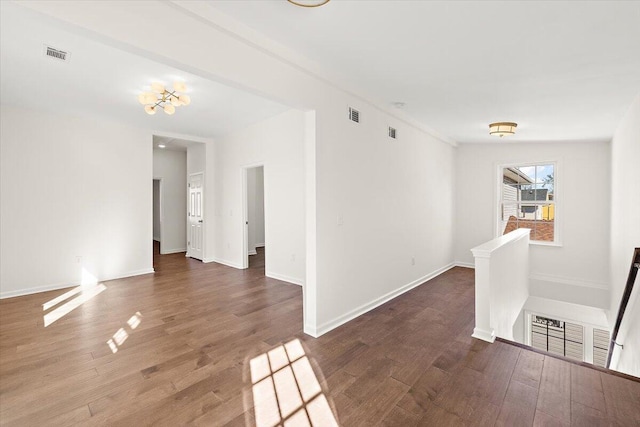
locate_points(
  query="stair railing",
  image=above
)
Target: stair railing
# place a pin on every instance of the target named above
(628, 289)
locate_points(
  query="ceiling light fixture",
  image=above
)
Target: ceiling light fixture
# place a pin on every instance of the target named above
(308, 3)
(502, 128)
(160, 97)
(161, 145)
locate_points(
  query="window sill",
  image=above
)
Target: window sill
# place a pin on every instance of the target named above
(543, 243)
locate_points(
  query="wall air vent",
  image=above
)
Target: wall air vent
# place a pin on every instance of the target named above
(354, 115)
(58, 54)
(392, 132)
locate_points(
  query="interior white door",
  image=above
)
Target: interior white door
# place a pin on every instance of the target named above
(195, 236)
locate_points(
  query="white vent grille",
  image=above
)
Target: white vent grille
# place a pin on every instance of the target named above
(600, 347)
(54, 53)
(557, 337)
(354, 115)
(392, 132)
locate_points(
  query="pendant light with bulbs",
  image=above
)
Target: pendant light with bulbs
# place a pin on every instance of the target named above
(161, 97)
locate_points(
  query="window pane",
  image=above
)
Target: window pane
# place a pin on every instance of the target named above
(538, 218)
(527, 200)
(544, 175)
(543, 231)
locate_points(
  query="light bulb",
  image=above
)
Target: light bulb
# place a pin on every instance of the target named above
(150, 109)
(157, 87)
(169, 109)
(180, 87)
(185, 99)
(175, 101)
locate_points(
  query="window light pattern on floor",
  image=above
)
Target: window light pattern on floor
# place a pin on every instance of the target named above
(87, 290)
(121, 335)
(286, 391)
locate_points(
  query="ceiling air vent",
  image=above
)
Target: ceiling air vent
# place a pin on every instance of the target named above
(392, 132)
(58, 54)
(354, 115)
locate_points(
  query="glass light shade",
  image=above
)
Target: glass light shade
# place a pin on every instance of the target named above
(175, 101)
(142, 98)
(150, 109)
(180, 87)
(169, 109)
(150, 98)
(308, 3)
(184, 99)
(502, 129)
(157, 87)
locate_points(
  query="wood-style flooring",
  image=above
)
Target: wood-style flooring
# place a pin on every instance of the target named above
(184, 338)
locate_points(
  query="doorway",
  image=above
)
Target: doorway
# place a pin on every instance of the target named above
(254, 224)
(195, 237)
(157, 215)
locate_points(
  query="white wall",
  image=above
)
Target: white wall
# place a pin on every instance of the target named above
(625, 233)
(578, 270)
(255, 208)
(171, 166)
(381, 202)
(64, 195)
(395, 198)
(156, 211)
(278, 144)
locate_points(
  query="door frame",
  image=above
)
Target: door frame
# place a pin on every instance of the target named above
(245, 212)
(204, 223)
(161, 202)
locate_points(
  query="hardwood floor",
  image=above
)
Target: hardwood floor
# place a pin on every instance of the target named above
(185, 340)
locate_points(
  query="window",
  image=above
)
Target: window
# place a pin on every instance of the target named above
(528, 200)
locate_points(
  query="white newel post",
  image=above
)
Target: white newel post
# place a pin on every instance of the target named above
(483, 329)
(502, 284)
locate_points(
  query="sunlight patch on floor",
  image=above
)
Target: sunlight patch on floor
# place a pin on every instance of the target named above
(121, 335)
(286, 391)
(87, 292)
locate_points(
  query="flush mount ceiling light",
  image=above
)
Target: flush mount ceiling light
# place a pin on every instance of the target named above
(160, 97)
(308, 3)
(502, 128)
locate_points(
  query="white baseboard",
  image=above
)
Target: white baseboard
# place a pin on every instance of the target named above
(252, 252)
(171, 251)
(465, 264)
(481, 334)
(56, 286)
(224, 262)
(282, 277)
(332, 324)
(260, 245)
(311, 331)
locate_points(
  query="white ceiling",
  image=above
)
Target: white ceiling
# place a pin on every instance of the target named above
(562, 70)
(103, 81)
(172, 144)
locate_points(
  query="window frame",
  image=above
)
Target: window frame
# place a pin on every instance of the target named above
(557, 199)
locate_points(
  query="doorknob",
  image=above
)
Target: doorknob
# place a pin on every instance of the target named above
(200, 220)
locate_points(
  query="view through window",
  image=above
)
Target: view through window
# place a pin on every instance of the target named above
(527, 200)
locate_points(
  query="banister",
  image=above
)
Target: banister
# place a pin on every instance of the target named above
(628, 289)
